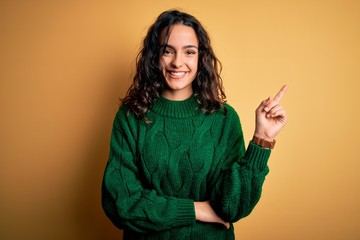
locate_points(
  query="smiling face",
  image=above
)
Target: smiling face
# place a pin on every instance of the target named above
(179, 62)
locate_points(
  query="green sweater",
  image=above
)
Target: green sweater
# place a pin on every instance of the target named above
(156, 171)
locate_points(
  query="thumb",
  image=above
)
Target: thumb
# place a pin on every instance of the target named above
(263, 104)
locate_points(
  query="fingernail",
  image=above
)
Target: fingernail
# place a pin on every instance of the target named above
(266, 109)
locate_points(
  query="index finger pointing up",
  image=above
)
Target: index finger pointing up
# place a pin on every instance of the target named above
(281, 93)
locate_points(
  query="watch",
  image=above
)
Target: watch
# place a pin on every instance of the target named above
(263, 143)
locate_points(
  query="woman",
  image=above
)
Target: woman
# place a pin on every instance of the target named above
(178, 168)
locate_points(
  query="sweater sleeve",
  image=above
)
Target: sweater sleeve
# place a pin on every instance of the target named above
(126, 202)
(241, 173)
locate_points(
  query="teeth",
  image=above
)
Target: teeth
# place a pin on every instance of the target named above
(177, 73)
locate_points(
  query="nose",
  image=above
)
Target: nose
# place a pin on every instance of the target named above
(177, 61)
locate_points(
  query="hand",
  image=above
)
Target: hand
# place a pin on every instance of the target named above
(205, 213)
(270, 117)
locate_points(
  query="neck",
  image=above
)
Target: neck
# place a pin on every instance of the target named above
(176, 108)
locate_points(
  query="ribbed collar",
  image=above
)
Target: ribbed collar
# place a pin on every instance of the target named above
(176, 109)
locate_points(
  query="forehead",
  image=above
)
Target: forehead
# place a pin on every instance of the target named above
(180, 34)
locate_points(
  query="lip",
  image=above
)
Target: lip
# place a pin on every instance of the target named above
(176, 74)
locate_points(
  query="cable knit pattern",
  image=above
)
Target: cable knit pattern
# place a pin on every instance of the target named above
(156, 171)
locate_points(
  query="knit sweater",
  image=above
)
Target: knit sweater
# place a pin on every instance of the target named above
(156, 171)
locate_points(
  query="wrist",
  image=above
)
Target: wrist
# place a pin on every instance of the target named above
(262, 135)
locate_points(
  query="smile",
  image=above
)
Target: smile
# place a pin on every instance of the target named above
(177, 74)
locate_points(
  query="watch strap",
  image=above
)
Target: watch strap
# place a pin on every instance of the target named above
(263, 143)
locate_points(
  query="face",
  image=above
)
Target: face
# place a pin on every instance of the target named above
(179, 62)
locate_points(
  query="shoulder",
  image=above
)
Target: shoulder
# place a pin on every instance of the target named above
(230, 109)
(125, 117)
(226, 116)
(232, 115)
(123, 113)
(226, 123)
(230, 112)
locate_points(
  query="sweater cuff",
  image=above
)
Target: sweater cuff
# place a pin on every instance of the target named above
(257, 157)
(185, 212)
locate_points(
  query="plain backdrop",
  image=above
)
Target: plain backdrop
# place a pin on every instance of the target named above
(65, 64)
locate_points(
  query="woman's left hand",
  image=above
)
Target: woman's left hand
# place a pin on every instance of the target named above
(270, 117)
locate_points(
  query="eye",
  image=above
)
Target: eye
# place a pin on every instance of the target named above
(168, 51)
(190, 52)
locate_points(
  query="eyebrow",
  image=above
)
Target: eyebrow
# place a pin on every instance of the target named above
(187, 46)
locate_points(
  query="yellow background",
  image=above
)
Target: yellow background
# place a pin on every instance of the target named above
(64, 64)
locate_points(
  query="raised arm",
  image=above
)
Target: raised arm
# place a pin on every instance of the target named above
(238, 186)
(239, 178)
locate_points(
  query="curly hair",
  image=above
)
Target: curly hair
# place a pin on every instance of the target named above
(149, 81)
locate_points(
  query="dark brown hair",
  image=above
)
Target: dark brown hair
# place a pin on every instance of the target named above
(149, 81)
